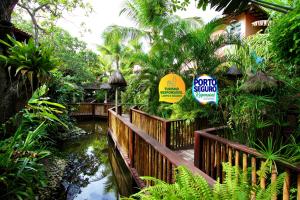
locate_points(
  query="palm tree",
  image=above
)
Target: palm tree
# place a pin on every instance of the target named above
(117, 50)
(151, 18)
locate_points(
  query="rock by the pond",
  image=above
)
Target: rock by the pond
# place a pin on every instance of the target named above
(55, 168)
(72, 191)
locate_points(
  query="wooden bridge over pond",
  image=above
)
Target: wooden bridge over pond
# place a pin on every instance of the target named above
(86, 109)
(153, 146)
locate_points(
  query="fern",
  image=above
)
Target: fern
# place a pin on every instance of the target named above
(188, 186)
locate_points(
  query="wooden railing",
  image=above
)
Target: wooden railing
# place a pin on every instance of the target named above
(175, 134)
(144, 155)
(91, 109)
(211, 150)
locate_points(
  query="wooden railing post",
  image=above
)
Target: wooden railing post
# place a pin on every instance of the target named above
(119, 110)
(108, 113)
(166, 125)
(131, 147)
(93, 110)
(197, 153)
(130, 115)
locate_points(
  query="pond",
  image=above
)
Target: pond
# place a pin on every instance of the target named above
(95, 170)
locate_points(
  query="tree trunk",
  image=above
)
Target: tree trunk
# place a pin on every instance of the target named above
(6, 9)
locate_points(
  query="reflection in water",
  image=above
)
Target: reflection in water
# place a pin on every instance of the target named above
(94, 171)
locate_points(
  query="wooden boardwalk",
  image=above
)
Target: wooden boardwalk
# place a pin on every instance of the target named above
(91, 110)
(153, 146)
(187, 154)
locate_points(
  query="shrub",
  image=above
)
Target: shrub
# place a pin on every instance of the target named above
(189, 186)
(21, 173)
(285, 37)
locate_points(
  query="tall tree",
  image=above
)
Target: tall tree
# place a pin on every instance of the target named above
(6, 9)
(152, 18)
(48, 11)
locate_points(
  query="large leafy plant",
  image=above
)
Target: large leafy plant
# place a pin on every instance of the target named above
(285, 37)
(21, 171)
(27, 61)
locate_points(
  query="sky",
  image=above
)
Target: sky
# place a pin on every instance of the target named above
(106, 13)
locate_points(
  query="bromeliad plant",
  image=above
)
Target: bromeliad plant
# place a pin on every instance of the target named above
(28, 62)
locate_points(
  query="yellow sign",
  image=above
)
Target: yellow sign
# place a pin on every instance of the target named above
(171, 88)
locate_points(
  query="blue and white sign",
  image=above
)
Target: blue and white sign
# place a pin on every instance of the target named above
(205, 89)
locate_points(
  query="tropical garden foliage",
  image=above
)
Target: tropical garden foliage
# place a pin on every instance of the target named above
(189, 186)
(54, 67)
(52, 74)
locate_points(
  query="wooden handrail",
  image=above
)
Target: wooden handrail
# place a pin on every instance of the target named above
(87, 103)
(156, 117)
(152, 116)
(86, 109)
(210, 150)
(143, 148)
(175, 134)
(240, 147)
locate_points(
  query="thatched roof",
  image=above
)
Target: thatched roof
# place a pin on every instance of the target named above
(9, 28)
(117, 79)
(105, 86)
(259, 81)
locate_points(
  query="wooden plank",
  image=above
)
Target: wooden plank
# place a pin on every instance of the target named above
(172, 157)
(245, 163)
(273, 180)
(253, 175)
(197, 151)
(218, 160)
(298, 186)
(212, 158)
(286, 185)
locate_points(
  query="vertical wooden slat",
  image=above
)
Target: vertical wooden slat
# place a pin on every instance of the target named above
(230, 155)
(206, 165)
(161, 167)
(245, 166)
(262, 179)
(286, 185)
(253, 175)
(218, 156)
(169, 172)
(197, 150)
(237, 160)
(131, 148)
(298, 186)
(212, 159)
(223, 150)
(273, 180)
(203, 152)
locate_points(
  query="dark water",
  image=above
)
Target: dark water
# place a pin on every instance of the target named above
(95, 170)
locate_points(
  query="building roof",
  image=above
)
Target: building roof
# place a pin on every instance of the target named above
(252, 9)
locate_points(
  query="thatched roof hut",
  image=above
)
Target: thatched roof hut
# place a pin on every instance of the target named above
(117, 79)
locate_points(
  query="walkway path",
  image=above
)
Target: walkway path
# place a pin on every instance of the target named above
(187, 154)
